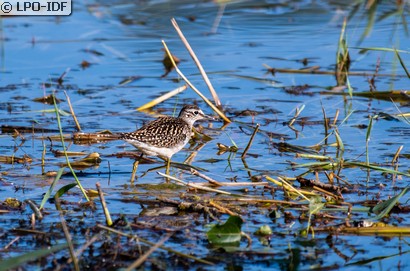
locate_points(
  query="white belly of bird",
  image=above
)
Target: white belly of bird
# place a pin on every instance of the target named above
(158, 151)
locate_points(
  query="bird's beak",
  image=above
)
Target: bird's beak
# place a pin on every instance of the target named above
(207, 117)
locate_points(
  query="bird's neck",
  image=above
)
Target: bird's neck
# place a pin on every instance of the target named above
(188, 121)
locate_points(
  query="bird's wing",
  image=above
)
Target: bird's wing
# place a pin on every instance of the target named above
(162, 132)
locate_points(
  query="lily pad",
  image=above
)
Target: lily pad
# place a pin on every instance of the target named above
(227, 234)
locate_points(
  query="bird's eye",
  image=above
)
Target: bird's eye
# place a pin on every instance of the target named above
(196, 112)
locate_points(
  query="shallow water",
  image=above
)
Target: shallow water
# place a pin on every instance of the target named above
(122, 39)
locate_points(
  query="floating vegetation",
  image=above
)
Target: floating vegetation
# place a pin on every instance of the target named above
(47, 99)
(91, 160)
(13, 159)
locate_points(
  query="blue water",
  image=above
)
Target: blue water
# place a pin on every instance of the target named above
(35, 51)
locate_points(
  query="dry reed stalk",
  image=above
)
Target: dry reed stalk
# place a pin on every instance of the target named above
(250, 141)
(194, 153)
(222, 209)
(43, 157)
(67, 235)
(291, 188)
(199, 187)
(11, 243)
(326, 192)
(143, 258)
(336, 117)
(134, 170)
(77, 124)
(297, 113)
(395, 162)
(104, 205)
(198, 64)
(220, 113)
(85, 246)
(162, 98)
(325, 124)
(203, 176)
(236, 184)
(253, 200)
(396, 155)
(35, 209)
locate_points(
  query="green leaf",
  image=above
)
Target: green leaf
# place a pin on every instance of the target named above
(340, 144)
(383, 49)
(14, 262)
(349, 87)
(64, 189)
(369, 129)
(402, 63)
(61, 112)
(383, 208)
(227, 234)
(371, 166)
(315, 206)
(51, 188)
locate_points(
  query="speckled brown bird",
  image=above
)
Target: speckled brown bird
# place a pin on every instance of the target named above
(166, 135)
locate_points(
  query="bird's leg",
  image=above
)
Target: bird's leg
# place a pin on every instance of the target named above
(135, 167)
(168, 166)
(168, 160)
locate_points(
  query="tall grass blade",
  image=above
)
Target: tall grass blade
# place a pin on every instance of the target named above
(371, 19)
(15, 262)
(369, 129)
(340, 145)
(383, 49)
(370, 166)
(341, 123)
(402, 63)
(342, 57)
(65, 150)
(349, 87)
(325, 123)
(51, 188)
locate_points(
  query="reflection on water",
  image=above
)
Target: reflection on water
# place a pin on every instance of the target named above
(108, 57)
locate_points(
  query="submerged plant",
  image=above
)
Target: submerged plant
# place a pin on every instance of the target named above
(342, 58)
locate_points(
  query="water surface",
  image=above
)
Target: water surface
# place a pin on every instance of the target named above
(122, 39)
